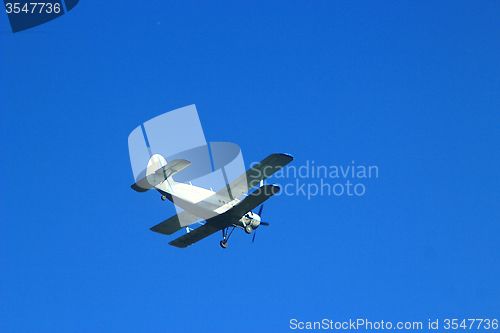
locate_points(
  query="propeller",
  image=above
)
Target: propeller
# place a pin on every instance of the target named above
(262, 223)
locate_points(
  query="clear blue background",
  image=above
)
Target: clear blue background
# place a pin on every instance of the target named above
(411, 87)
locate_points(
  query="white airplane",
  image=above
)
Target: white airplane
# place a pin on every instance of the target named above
(221, 210)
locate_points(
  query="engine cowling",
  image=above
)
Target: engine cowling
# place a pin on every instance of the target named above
(251, 219)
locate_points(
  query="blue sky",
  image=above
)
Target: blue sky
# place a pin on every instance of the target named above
(410, 87)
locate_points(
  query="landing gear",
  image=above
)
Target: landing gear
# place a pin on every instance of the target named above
(225, 236)
(163, 197)
(248, 229)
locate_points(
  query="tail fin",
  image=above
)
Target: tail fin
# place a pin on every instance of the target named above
(157, 171)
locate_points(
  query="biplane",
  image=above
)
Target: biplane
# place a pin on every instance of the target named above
(222, 211)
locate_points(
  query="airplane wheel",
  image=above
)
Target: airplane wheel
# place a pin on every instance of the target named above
(223, 244)
(163, 197)
(248, 229)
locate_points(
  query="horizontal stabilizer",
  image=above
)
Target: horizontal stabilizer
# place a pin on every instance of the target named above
(158, 176)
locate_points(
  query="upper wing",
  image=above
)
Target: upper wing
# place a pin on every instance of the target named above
(175, 223)
(253, 200)
(255, 175)
(227, 219)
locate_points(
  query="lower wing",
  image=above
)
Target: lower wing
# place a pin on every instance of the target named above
(228, 218)
(194, 236)
(175, 223)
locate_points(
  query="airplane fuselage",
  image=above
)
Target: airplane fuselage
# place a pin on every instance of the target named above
(206, 203)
